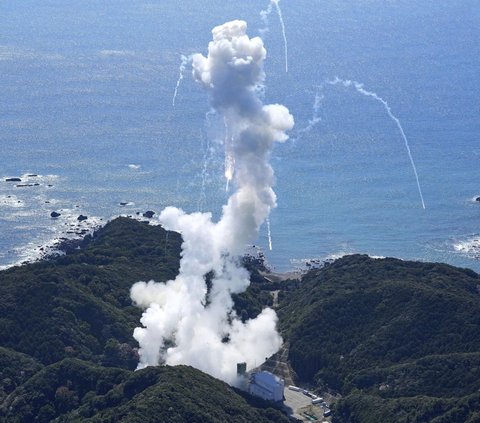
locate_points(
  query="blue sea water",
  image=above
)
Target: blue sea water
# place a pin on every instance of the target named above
(86, 104)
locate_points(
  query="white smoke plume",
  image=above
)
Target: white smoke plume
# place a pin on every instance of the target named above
(264, 14)
(182, 324)
(361, 90)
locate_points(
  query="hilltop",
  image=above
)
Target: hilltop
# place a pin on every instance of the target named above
(68, 354)
(396, 341)
(399, 340)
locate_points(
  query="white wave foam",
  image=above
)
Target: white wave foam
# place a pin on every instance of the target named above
(317, 262)
(116, 53)
(469, 247)
(304, 263)
(65, 228)
(11, 201)
(15, 53)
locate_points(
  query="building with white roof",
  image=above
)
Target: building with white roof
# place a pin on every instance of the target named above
(267, 386)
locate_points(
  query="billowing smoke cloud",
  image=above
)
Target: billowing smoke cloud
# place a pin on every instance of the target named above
(182, 322)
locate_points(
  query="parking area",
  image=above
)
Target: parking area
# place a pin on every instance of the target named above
(299, 406)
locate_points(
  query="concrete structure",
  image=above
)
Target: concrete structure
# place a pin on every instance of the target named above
(267, 386)
(241, 369)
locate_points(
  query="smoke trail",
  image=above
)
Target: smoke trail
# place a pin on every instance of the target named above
(360, 89)
(183, 66)
(269, 233)
(229, 169)
(229, 155)
(315, 119)
(264, 15)
(316, 107)
(282, 23)
(206, 158)
(185, 322)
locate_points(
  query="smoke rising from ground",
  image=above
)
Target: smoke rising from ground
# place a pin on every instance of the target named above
(183, 321)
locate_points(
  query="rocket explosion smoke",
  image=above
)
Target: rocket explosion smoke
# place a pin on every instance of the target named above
(361, 90)
(183, 321)
(264, 15)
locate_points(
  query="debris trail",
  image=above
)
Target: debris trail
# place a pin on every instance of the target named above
(315, 119)
(269, 233)
(264, 15)
(359, 87)
(183, 66)
(206, 159)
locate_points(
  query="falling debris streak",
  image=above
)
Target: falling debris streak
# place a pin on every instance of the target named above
(269, 233)
(229, 157)
(360, 89)
(264, 16)
(282, 24)
(183, 66)
(206, 157)
(315, 119)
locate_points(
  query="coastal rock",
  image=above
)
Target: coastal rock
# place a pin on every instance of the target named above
(149, 214)
(55, 214)
(27, 185)
(81, 218)
(477, 199)
(13, 180)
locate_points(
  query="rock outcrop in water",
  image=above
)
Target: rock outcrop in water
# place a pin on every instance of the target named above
(148, 214)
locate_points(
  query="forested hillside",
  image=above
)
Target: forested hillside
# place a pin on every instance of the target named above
(399, 340)
(67, 351)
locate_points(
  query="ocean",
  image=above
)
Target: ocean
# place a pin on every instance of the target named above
(86, 106)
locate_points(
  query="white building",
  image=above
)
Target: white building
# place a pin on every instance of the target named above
(267, 386)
